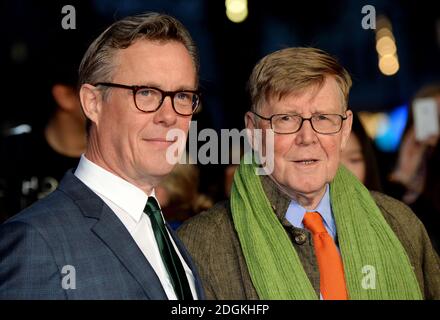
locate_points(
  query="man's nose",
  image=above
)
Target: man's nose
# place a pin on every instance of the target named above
(306, 135)
(166, 114)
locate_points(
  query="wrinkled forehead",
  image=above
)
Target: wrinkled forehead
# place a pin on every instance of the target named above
(144, 59)
(144, 51)
(308, 96)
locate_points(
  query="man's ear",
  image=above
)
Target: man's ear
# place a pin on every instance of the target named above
(249, 120)
(65, 97)
(250, 124)
(346, 128)
(91, 102)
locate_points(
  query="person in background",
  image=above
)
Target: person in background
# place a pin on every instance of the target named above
(416, 177)
(308, 229)
(33, 162)
(411, 167)
(359, 156)
(179, 195)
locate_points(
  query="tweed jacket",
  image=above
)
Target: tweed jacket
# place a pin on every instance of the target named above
(211, 239)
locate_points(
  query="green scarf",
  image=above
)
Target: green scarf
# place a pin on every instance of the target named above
(366, 241)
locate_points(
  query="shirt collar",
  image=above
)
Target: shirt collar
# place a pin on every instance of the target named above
(119, 191)
(295, 212)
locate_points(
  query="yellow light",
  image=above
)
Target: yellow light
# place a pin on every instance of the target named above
(388, 64)
(236, 10)
(237, 17)
(386, 46)
(384, 32)
(236, 6)
(383, 22)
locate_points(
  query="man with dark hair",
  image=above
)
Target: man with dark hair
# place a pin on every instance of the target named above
(101, 234)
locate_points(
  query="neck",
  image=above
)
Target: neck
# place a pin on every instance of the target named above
(308, 201)
(65, 135)
(94, 154)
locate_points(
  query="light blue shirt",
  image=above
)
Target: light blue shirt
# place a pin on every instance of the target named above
(295, 213)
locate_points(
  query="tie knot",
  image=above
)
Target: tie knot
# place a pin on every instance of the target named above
(152, 207)
(313, 222)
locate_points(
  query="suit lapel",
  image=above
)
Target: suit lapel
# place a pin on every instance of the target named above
(114, 235)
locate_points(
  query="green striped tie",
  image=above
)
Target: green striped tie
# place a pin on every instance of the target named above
(169, 255)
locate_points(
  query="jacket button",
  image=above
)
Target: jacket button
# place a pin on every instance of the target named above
(300, 238)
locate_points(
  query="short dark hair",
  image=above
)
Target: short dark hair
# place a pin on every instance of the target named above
(97, 63)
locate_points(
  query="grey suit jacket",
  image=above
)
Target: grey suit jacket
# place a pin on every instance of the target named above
(71, 245)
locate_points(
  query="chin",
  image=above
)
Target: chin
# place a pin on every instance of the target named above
(157, 172)
(306, 186)
(163, 170)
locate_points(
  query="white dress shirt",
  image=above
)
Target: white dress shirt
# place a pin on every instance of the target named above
(128, 202)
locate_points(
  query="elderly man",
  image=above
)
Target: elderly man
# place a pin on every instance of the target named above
(101, 234)
(309, 229)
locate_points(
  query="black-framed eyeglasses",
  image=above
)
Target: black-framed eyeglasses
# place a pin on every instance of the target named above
(150, 99)
(292, 123)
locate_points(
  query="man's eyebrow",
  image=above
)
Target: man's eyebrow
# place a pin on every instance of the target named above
(317, 112)
(324, 112)
(187, 89)
(155, 85)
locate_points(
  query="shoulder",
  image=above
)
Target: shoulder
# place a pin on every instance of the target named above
(211, 230)
(400, 217)
(207, 223)
(213, 219)
(30, 243)
(412, 234)
(55, 214)
(41, 225)
(29, 268)
(405, 224)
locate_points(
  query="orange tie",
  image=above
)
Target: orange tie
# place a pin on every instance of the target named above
(330, 265)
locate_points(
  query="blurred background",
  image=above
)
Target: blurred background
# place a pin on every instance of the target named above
(34, 44)
(389, 64)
